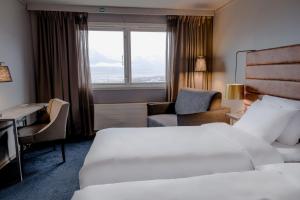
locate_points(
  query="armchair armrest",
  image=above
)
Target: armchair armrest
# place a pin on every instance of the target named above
(218, 115)
(161, 108)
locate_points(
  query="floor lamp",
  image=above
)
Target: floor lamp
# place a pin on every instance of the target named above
(200, 66)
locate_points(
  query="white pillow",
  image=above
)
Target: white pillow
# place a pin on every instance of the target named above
(291, 134)
(265, 121)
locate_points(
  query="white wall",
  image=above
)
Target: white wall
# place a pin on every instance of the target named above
(16, 52)
(251, 24)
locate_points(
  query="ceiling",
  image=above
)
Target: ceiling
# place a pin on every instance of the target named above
(168, 4)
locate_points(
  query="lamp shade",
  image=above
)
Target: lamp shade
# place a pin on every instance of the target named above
(235, 91)
(200, 64)
(5, 74)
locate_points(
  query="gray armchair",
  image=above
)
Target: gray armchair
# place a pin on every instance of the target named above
(189, 101)
(54, 131)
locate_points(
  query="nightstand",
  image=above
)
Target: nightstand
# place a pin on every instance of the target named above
(234, 117)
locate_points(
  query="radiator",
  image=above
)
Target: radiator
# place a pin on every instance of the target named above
(120, 115)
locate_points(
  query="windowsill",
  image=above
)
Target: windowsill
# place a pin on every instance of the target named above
(130, 87)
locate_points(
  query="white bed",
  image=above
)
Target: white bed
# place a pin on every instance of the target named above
(136, 154)
(273, 182)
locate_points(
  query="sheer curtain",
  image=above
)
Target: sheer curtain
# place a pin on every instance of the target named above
(62, 65)
(187, 38)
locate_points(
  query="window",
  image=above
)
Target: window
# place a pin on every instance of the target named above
(148, 57)
(106, 56)
(128, 56)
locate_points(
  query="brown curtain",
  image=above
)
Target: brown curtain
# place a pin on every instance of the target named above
(62, 65)
(187, 38)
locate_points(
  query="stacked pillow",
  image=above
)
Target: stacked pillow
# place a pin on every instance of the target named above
(291, 133)
(265, 120)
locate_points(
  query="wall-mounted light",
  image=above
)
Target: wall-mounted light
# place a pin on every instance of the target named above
(5, 75)
(235, 91)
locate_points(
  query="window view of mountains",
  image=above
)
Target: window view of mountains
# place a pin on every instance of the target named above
(107, 70)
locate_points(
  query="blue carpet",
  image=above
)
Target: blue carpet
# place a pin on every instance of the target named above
(46, 178)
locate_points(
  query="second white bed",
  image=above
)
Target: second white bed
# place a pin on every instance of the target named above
(273, 182)
(136, 154)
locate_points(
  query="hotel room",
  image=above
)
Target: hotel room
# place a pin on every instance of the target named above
(162, 99)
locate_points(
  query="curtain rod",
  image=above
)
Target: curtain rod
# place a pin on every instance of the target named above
(119, 10)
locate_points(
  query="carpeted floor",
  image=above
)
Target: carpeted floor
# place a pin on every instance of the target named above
(46, 178)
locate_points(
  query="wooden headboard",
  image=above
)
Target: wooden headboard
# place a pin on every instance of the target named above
(274, 72)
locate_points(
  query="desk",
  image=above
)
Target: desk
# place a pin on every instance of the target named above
(13, 115)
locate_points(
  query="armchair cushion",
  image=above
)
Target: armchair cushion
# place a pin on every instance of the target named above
(190, 101)
(162, 120)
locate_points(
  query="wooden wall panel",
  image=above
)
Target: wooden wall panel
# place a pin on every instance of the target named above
(280, 55)
(286, 89)
(282, 72)
(274, 72)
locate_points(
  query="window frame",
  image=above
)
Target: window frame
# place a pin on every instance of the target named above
(127, 28)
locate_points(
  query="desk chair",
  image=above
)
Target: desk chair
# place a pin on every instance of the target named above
(54, 131)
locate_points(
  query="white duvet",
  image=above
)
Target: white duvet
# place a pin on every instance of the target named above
(136, 154)
(271, 183)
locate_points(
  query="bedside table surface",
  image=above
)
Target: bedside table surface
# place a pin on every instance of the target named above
(235, 116)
